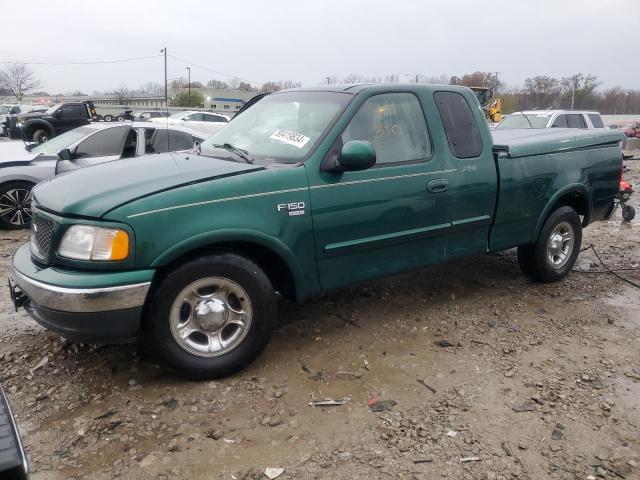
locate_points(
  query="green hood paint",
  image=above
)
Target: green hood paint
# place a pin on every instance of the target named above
(92, 192)
(539, 141)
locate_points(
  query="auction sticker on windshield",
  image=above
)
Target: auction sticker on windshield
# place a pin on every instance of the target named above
(290, 137)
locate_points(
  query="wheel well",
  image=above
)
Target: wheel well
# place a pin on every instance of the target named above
(578, 201)
(30, 129)
(273, 265)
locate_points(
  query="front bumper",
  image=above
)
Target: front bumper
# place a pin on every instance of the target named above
(88, 307)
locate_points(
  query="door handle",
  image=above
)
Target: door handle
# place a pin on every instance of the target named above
(438, 185)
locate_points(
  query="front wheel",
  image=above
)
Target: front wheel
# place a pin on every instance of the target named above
(555, 252)
(211, 316)
(15, 205)
(41, 136)
(628, 213)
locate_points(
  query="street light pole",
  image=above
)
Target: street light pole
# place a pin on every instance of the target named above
(189, 85)
(626, 102)
(166, 98)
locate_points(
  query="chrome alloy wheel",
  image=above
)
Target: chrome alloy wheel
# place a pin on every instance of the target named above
(560, 244)
(15, 207)
(210, 316)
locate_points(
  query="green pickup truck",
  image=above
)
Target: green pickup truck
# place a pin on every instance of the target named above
(306, 191)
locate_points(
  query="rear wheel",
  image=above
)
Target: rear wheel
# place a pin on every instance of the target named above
(555, 252)
(212, 316)
(40, 136)
(15, 205)
(120, 118)
(108, 118)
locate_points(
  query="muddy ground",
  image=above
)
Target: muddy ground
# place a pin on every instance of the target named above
(487, 376)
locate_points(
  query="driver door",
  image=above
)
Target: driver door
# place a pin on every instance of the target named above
(391, 217)
(102, 146)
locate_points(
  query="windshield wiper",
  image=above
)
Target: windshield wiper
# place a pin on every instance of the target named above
(243, 154)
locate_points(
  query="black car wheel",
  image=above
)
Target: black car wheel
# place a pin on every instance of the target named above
(40, 136)
(211, 316)
(108, 118)
(15, 205)
(628, 213)
(555, 252)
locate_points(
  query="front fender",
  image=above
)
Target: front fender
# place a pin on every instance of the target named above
(26, 173)
(210, 239)
(566, 190)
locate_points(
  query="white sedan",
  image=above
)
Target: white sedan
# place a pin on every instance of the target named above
(206, 122)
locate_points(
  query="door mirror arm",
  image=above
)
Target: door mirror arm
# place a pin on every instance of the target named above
(65, 154)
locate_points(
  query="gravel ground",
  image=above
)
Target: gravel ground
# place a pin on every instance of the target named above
(462, 371)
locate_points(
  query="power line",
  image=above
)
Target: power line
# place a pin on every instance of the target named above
(97, 62)
(213, 71)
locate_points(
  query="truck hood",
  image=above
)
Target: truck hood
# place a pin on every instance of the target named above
(93, 191)
(540, 141)
(14, 153)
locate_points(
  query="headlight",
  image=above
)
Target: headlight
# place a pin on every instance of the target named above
(84, 242)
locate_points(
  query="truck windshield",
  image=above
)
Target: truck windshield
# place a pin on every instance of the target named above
(282, 127)
(53, 146)
(522, 120)
(53, 109)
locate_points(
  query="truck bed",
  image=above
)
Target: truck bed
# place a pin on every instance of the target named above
(539, 141)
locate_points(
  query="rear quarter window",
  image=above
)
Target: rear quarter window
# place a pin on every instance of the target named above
(459, 123)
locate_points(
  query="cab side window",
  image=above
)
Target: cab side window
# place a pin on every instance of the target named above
(459, 124)
(576, 121)
(560, 121)
(596, 120)
(394, 123)
(103, 143)
(194, 117)
(72, 111)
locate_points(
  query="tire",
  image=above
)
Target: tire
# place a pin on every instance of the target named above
(15, 205)
(120, 118)
(108, 118)
(188, 318)
(628, 213)
(555, 252)
(40, 136)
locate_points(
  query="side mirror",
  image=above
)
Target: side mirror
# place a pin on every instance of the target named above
(357, 155)
(65, 154)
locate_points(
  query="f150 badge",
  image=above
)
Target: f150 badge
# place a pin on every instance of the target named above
(293, 208)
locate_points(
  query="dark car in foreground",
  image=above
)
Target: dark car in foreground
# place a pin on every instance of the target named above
(13, 461)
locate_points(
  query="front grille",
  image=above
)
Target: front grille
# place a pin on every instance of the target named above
(41, 233)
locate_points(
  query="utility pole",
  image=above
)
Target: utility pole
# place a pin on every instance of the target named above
(166, 98)
(189, 85)
(328, 80)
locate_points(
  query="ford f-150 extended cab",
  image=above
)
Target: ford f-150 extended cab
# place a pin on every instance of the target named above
(306, 191)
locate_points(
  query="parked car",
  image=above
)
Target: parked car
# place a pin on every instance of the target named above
(41, 127)
(305, 192)
(13, 460)
(6, 111)
(145, 116)
(551, 119)
(203, 121)
(22, 167)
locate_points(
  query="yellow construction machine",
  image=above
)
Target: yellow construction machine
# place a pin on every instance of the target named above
(492, 106)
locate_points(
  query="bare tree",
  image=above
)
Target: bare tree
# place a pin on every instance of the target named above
(151, 88)
(18, 79)
(213, 83)
(234, 83)
(178, 83)
(353, 78)
(122, 93)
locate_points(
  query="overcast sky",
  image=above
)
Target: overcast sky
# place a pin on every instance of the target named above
(308, 40)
